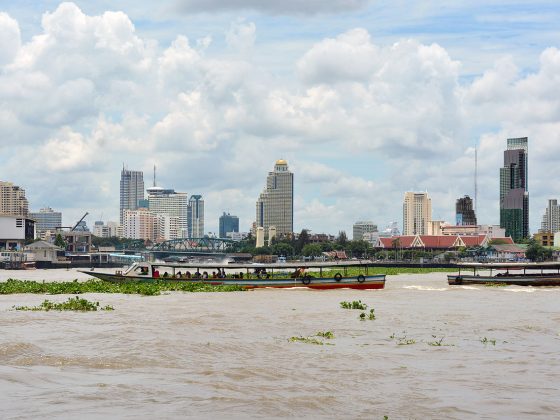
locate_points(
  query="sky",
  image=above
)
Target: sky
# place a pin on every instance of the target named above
(365, 99)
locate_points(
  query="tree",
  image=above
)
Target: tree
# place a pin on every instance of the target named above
(302, 240)
(312, 250)
(59, 242)
(283, 249)
(537, 252)
(358, 249)
(342, 239)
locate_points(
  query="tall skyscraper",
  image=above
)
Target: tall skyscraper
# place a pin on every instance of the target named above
(514, 193)
(275, 206)
(132, 190)
(417, 213)
(12, 200)
(464, 212)
(168, 202)
(551, 218)
(228, 223)
(195, 215)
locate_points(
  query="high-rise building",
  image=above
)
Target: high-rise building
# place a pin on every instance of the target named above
(195, 213)
(361, 227)
(464, 212)
(551, 218)
(132, 190)
(46, 219)
(514, 193)
(168, 202)
(12, 200)
(417, 213)
(275, 206)
(228, 223)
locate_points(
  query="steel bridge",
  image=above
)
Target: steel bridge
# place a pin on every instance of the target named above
(194, 246)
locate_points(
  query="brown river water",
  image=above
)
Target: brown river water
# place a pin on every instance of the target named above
(228, 355)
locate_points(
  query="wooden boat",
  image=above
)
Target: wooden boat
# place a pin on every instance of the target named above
(519, 274)
(353, 275)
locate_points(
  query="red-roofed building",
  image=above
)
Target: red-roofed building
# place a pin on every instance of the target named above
(440, 242)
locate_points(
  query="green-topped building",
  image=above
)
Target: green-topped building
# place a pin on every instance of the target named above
(514, 194)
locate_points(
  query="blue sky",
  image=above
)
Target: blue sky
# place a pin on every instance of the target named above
(365, 99)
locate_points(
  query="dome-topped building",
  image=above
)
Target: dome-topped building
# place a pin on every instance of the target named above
(275, 206)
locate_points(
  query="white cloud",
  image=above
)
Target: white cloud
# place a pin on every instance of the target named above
(87, 93)
(270, 6)
(10, 39)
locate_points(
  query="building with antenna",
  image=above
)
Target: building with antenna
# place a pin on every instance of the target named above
(514, 192)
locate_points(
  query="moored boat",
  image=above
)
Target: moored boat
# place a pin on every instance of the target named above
(354, 275)
(519, 274)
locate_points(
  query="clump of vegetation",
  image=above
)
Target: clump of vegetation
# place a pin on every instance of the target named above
(370, 316)
(402, 340)
(356, 304)
(307, 340)
(325, 334)
(96, 286)
(438, 343)
(495, 284)
(488, 341)
(328, 335)
(72, 304)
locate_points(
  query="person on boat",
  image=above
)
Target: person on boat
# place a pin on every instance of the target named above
(197, 274)
(214, 275)
(144, 271)
(156, 273)
(241, 274)
(297, 273)
(165, 274)
(188, 274)
(205, 275)
(178, 275)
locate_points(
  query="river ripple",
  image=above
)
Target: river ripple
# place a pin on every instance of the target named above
(227, 355)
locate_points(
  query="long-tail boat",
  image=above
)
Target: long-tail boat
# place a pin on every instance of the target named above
(324, 275)
(519, 274)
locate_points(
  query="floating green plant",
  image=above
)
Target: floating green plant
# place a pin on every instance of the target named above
(356, 304)
(325, 334)
(72, 304)
(403, 340)
(12, 286)
(438, 343)
(488, 341)
(370, 316)
(495, 284)
(307, 340)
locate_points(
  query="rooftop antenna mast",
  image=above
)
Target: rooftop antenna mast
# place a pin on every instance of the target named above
(475, 180)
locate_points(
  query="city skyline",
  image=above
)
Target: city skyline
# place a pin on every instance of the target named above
(364, 101)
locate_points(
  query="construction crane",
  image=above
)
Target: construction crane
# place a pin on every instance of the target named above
(79, 221)
(75, 226)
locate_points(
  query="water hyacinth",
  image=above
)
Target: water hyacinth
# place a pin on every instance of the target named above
(12, 286)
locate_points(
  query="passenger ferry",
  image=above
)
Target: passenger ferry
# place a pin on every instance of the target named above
(519, 274)
(324, 275)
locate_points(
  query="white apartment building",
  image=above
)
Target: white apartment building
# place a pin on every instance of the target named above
(275, 206)
(12, 200)
(170, 203)
(362, 227)
(147, 225)
(417, 214)
(551, 218)
(109, 230)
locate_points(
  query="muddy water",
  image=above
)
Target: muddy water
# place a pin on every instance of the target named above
(228, 355)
